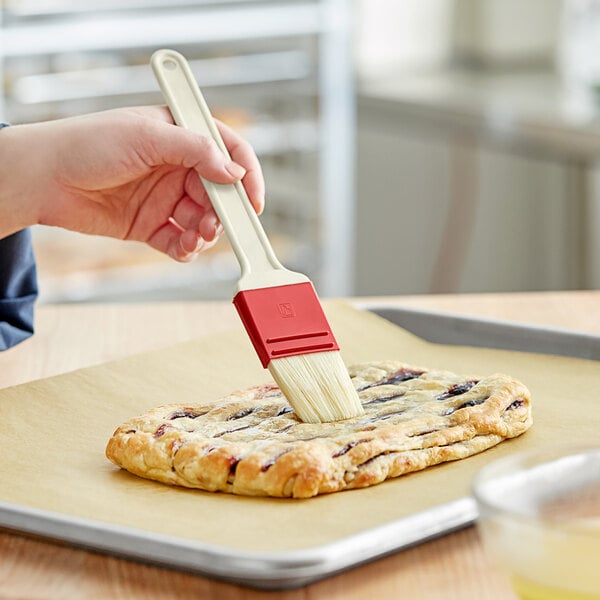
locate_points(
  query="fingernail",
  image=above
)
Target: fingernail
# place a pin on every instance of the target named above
(219, 229)
(235, 170)
(188, 241)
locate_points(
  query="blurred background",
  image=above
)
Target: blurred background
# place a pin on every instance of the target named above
(414, 146)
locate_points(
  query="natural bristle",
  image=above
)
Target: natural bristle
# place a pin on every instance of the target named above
(318, 386)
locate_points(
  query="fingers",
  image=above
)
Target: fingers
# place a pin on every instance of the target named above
(171, 145)
(243, 153)
(197, 217)
(201, 217)
(194, 225)
(182, 245)
(177, 146)
(158, 112)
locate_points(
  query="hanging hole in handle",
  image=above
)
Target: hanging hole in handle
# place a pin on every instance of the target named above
(169, 64)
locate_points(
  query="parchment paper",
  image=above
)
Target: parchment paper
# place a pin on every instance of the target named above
(54, 432)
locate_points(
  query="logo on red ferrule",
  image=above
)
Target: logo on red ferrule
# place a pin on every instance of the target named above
(286, 310)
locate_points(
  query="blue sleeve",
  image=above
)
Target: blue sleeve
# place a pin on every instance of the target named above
(18, 288)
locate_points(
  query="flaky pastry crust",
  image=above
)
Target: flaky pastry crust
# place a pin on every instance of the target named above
(252, 443)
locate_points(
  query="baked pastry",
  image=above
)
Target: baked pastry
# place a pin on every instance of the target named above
(252, 443)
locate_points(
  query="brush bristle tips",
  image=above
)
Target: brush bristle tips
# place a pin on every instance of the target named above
(317, 386)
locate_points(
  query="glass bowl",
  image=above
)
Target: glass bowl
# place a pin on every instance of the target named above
(540, 521)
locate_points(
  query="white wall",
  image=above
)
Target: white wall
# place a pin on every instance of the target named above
(421, 34)
(400, 34)
(507, 31)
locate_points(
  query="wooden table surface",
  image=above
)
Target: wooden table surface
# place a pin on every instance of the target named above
(68, 337)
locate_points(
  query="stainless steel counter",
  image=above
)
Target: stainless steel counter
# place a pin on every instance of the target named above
(496, 172)
(530, 109)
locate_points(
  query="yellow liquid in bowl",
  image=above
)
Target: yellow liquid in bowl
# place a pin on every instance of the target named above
(542, 525)
(547, 564)
(530, 590)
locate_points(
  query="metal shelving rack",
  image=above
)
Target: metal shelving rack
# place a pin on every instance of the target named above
(282, 70)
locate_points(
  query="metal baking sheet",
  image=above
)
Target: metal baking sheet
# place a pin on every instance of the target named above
(261, 570)
(446, 328)
(295, 568)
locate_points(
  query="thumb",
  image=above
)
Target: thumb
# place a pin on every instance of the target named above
(173, 145)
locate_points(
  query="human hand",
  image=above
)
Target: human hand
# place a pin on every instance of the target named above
(124, 173)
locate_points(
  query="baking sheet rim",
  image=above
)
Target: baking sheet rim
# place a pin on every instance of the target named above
(263, 569)
(572, 342)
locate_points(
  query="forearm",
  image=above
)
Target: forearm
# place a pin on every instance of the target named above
(19, 185)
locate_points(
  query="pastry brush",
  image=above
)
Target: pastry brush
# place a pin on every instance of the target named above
(278, 307)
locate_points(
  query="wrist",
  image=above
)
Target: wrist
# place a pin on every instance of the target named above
(17, 185)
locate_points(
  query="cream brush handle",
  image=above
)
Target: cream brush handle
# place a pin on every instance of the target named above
(259, 265)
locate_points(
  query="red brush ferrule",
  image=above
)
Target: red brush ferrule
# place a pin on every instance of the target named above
(285, 320)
